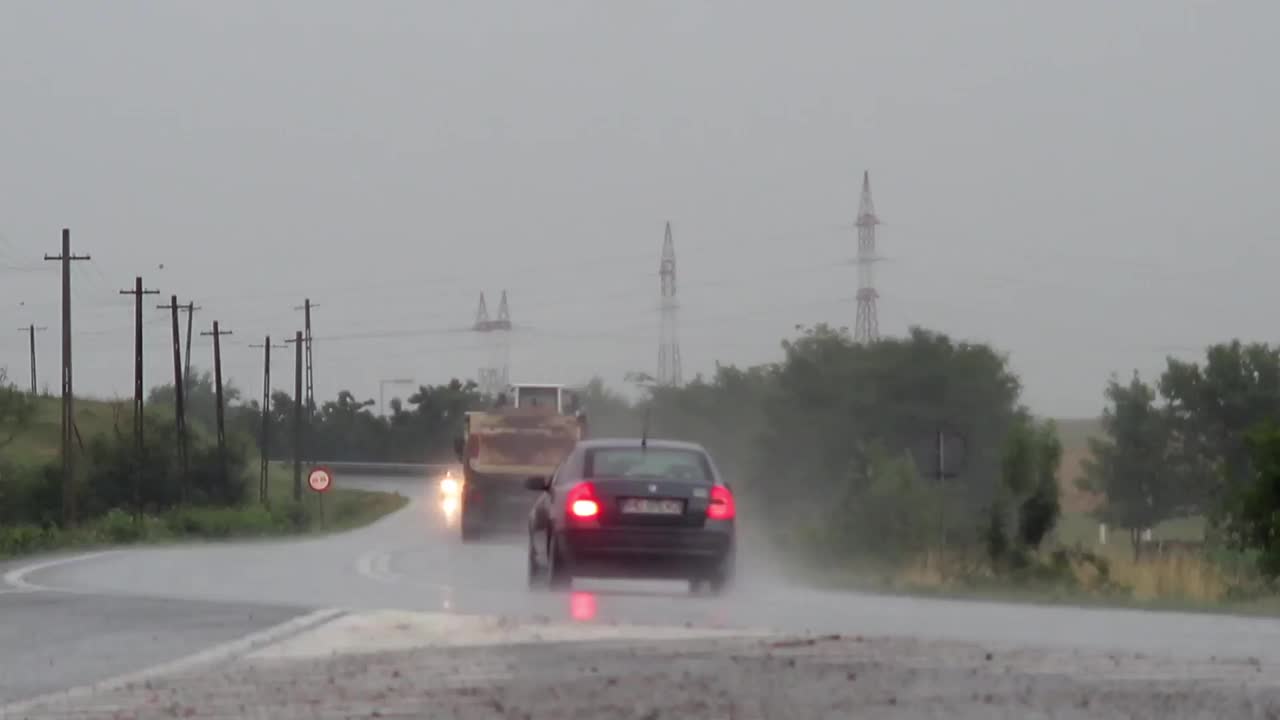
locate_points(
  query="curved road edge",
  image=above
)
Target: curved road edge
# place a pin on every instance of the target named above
(60, 644)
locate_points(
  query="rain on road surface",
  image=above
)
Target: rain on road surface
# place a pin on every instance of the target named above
(411, 562)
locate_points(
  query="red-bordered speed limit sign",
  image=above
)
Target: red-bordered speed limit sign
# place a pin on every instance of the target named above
(320, 479)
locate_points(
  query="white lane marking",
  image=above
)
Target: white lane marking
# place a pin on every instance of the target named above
(390, 630)
(376, 565)
(17, 578)
(217, 653)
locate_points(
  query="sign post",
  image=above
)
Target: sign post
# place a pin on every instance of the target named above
(320, 479)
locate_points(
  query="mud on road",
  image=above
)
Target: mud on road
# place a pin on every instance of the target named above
(793, 677)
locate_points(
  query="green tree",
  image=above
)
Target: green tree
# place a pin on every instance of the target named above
(1212, 408)
(200, 401)
(16, 410)
(831, 399)
(608, 413)
(1131, 466)
(1254, 520)
(1028, 472)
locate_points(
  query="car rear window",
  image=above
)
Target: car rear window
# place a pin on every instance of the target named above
(670, 463)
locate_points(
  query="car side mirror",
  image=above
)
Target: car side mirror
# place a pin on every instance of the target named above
(459, 446)
(537, 482)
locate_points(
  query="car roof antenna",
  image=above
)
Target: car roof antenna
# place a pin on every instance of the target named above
(644, 433)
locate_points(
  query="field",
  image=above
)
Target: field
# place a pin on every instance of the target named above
(41, 442)
(1074, 434)
(343, 508)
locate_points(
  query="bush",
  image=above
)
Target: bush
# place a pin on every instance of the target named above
(222, 522)
(19, 539)
(118, 526)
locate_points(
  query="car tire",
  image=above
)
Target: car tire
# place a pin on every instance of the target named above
(720, 580)
(558, 575)
(537, 573)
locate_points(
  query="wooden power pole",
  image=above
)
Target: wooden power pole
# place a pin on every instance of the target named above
(138, 389)
(179, 409)
(68, 410)
(265, 442)
(309, 378)
(190, 309)
(31, 331)
(297, 416)
(217, 390)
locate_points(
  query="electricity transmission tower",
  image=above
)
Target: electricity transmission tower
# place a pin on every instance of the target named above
(669, 371)
(867, 326)
(494, 376)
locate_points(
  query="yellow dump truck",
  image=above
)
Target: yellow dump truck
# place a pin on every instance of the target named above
(528, 432)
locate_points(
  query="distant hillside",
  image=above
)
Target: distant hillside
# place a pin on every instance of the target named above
(1074, 434)
(41, 442)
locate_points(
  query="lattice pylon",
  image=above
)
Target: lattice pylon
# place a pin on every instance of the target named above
(669, 370)
(867, 324)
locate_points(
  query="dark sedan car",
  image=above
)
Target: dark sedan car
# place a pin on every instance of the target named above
(633, 508)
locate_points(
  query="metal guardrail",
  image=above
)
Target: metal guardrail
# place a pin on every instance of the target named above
(340, 467)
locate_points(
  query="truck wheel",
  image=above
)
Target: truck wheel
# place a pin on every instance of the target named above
(470, 530)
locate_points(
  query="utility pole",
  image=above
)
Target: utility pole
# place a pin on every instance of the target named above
(310, 380)
(179, 412)
(217, 394)
(265, 443)
(68, 410)
(190, 309)
(945, 469)
(297, 416)
(31, 330)
(138, 446)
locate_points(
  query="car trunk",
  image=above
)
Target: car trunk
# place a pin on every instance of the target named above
(651, 502)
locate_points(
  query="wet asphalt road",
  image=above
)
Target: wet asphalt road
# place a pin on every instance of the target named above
(133, 607)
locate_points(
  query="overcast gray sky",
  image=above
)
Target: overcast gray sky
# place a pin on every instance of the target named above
(1084, 184)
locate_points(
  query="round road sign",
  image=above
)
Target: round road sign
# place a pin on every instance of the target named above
(320, 479)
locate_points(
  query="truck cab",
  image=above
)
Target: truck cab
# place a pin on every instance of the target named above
(557, 398)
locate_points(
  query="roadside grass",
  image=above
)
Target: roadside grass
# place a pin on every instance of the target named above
(340, 509)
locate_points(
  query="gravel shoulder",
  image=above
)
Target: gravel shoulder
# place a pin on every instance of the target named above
(800, 677)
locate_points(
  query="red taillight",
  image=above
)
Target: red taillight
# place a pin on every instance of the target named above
(582, 501)
(721, 507)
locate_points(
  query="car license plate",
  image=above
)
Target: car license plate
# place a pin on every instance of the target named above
(645, 506)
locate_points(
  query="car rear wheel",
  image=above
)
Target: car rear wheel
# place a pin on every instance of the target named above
(558, 574)
(717, 581)
(537, 574)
